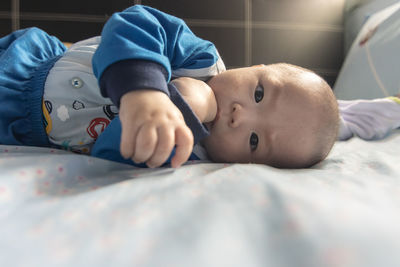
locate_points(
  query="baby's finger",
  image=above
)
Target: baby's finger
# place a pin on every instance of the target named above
(146, 141)
(184, 146)
(164, 146)
(128, 139)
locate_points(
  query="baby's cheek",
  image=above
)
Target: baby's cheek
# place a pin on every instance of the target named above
(214, 147)
(222, 149)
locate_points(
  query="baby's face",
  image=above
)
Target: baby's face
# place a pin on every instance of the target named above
(263, 116)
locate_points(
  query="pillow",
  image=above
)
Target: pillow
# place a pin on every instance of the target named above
(356, 12)
(372, 67)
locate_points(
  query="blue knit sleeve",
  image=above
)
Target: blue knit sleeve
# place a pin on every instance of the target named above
(144, 34)
(107, 145)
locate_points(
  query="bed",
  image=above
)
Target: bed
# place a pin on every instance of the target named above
(63, 209)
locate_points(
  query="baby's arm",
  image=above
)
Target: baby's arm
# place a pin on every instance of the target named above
(139, 49)
(199, 96)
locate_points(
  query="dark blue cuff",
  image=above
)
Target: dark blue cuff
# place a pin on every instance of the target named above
(129, 75)
(192, 121)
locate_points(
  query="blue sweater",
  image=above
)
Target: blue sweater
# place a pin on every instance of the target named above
(142, 48)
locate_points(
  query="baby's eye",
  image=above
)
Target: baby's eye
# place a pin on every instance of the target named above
(259, 94)
(253, 141)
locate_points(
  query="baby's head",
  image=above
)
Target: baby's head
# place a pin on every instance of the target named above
(280, 115)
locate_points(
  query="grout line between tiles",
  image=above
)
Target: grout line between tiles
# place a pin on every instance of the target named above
(265, 25)
(15, 15)
(297, 26)
(191, 22)
(58, 17)
(248, 31)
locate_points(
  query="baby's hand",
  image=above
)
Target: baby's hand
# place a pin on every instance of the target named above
(151, 126)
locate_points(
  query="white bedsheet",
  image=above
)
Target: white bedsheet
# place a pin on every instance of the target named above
(62, 209)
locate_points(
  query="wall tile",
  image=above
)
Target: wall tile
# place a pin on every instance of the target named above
(306, 32)
(204, 9)
(309, 49)
(229, 42)
(304, 11)
(5, 27)
(5, 5)
(62, 30)
(92, 7)
(329, 78)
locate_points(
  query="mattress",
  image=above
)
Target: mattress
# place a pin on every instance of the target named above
(64, 209)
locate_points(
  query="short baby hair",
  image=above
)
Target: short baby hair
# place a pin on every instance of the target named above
(325, 130)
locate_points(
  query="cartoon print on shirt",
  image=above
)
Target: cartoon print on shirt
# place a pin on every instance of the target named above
(77, 105)
(97, 126)
(47, 107)
(62, 113)
(111, 111)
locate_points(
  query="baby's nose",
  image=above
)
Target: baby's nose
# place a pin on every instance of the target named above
(236, 115)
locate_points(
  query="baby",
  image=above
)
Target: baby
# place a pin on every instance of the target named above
(281, 115)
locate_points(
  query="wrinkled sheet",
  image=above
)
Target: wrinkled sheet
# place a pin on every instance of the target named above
(63, 209)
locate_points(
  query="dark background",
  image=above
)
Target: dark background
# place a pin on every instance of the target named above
(308, 33)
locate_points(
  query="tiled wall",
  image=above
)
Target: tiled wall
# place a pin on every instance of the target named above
(303, 32)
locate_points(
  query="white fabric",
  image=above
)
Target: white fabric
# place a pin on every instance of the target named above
(79, 113)
(368, 119)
